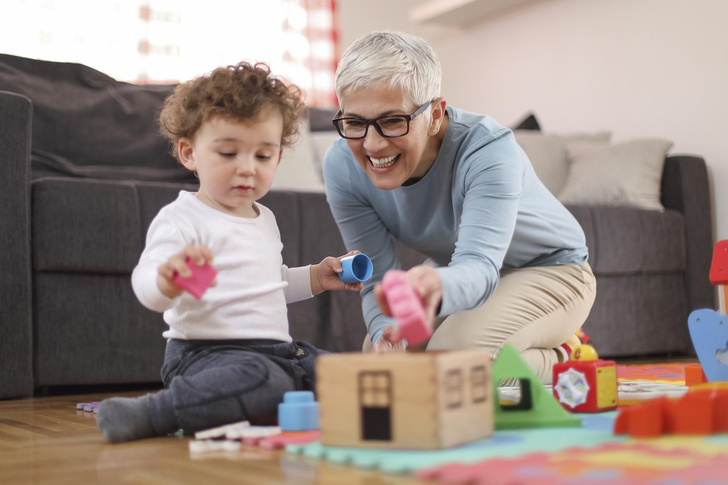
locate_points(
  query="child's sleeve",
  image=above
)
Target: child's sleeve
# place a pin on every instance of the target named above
(299, 283)
(163, 240)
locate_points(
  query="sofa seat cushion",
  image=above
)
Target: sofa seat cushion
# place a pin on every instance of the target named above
(624, 241)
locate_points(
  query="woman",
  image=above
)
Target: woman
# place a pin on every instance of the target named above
(507, 261)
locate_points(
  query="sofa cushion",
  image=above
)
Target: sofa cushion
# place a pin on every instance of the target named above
(624, 241)
(103, 224)
(548, 155)
(84, 119)
(626, 174)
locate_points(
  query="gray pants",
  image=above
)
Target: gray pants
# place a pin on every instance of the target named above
(213, 383)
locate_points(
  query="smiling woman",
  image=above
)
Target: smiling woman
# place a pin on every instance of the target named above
(507, 261)
(153, 41)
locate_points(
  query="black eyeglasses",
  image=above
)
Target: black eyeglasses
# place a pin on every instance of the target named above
(389, 126)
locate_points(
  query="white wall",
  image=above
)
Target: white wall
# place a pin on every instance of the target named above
(635, 67)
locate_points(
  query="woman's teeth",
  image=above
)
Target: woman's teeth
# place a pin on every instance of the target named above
(384, 162)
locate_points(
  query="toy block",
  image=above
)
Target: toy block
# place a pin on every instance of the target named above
(645, 420)
(220, 431)
(252, 434)
(417, 400)
(701, 411)
(719, 272)
(694, 375)
(586, 386)
(298, 412)
(201, 279)
(356, 268)
(537, 407)
(709, 333)
(406, 307)
(289, 438)
(197, 447)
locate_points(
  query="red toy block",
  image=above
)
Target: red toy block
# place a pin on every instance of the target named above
(586, 386)
(201, 279)
(694, 375)
(719, 265)
(691, 414)
(406, 307)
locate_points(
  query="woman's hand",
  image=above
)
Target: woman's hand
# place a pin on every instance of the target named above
(177, 264)
(325, 275)
(426, 283)
(390, 341)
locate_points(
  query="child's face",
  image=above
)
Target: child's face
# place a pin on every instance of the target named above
(235, 161)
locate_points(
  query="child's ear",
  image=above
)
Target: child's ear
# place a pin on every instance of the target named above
(280, 156)
(186, 154)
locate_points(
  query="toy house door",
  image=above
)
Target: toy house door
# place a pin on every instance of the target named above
(375, 399)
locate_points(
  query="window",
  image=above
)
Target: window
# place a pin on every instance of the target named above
(453, 389)
(157, 41)
(479, 384)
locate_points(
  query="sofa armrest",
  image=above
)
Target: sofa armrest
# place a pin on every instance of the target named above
(16, 346)
(685, 188)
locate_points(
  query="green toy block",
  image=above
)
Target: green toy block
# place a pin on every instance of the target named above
(537, 408)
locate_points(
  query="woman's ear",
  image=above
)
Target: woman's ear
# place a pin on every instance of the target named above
(438, 114)
(186, 154)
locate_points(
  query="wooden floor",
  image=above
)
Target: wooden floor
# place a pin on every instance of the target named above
(47, 441)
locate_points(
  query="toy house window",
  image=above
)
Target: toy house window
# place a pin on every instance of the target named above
(375, 389)
(454, 389)
(479, 384)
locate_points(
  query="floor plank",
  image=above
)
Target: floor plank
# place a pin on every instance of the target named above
(48, 441)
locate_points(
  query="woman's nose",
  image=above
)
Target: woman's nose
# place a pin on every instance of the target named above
(373, 139)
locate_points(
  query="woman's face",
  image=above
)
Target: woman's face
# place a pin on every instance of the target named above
(390, 162)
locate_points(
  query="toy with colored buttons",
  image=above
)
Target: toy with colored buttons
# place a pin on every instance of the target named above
(201, 279)
(586, 384)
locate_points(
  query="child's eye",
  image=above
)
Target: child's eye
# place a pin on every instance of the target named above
(227, 154)
(264, 157)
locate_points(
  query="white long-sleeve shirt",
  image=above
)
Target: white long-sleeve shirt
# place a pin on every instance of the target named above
(253, 285)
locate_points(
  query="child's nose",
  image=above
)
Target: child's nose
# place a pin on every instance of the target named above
(246, 165)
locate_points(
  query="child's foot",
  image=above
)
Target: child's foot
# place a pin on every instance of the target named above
(123, 419)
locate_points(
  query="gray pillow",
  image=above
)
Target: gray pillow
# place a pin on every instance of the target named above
(622, 174)
(547, 152)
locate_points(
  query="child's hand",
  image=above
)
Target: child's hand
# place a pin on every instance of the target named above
(325, 275)
(177, 264)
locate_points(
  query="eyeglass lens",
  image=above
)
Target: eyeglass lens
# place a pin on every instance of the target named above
(392, 126)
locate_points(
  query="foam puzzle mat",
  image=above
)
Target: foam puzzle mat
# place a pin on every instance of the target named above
(586, 455)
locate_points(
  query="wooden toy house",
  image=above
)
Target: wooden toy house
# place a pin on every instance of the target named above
(426, 400)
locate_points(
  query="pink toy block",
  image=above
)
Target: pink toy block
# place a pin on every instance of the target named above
(199, 282)
(406, 307)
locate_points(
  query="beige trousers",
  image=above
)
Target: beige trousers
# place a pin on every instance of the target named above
(534, 309)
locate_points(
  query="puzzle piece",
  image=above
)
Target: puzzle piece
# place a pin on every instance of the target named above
(406, 307)
(201, 279)
(709, 333)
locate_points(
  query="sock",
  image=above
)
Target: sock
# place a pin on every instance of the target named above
(122, 419)
(564, 351)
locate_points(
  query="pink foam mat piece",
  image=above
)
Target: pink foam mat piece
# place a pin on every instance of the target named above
(406, 307)
(289, 438)
(201, 279)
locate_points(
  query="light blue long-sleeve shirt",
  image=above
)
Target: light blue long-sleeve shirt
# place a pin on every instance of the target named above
(479, 209)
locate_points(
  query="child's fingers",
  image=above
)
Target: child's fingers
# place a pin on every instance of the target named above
(178, 264)
(200, 254)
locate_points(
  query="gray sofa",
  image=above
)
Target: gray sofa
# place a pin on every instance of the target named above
(83, 172)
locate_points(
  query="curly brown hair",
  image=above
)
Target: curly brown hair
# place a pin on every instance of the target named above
(242, 92)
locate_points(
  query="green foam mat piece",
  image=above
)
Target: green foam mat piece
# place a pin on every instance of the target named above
(596, 430)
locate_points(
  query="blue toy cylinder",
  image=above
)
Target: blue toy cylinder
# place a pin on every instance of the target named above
(298, 412)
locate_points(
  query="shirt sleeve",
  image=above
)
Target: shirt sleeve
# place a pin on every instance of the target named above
(362, 229)
(491, 179)
(299, 283)
(163, 240)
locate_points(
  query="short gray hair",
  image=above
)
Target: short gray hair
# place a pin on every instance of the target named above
(394, 59)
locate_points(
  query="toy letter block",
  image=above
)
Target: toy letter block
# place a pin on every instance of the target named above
(588, 386)
(694, 375)
(201, 279)
(406, 307)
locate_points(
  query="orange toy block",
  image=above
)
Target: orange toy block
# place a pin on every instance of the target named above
(702, 411)
(586, 386)
(694, 375)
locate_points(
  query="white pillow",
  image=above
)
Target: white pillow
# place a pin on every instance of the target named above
(621, 174)
(547, 152)
(297, 170)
